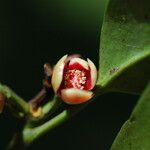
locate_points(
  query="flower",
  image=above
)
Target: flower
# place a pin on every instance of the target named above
(73, 79)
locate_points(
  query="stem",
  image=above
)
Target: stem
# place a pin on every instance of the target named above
(51, 106)
(31, 134)
(48, 109)
(48, 70)
(16, 143)
(14, 100)
(36, 101)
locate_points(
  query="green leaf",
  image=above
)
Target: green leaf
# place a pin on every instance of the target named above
(125, 46)
(135, 133)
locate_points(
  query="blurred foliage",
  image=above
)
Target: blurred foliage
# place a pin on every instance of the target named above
(134, 134)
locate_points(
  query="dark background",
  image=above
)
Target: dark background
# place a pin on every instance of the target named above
(33, 32)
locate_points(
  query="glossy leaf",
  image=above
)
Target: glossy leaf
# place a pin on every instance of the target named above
(135, 133)
(125, 46)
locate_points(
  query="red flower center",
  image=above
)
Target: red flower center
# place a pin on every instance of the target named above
(75, 79)
(75, 76)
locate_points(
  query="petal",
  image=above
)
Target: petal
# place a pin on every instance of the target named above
(80, 61)
(75, 96)
(93, 72)
(71, 57)
(57, 75)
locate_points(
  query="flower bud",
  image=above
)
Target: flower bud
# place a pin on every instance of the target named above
(73, 79)
(2, 102)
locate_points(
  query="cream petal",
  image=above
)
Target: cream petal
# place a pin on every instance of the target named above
(75, 96)
(80, 61)
(93, 72)
(71, 57)
(57, 75)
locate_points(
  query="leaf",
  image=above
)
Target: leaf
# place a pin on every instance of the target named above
(125, 46)
(135, 133)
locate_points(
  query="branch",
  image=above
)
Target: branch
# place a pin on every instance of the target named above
(31, 134)
(14, 100)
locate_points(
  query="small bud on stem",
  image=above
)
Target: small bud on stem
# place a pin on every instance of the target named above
(2, 102)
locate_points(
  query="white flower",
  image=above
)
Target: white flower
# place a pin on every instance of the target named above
(73, 79)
